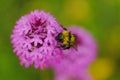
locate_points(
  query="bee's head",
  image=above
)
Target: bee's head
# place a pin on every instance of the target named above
(59, 37)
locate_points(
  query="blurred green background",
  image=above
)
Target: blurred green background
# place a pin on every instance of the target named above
(100, 17)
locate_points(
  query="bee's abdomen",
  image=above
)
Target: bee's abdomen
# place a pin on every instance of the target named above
(73, 39)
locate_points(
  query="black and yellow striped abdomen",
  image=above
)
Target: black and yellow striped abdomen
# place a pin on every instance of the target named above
(66, 38)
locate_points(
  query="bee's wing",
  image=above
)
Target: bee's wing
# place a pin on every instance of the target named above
(75, 47)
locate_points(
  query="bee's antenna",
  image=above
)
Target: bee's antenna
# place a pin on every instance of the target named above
(63, 27)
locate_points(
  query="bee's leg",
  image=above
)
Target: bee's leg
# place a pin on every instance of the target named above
(65, 47)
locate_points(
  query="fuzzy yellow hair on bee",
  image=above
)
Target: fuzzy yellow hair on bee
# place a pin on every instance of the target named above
(66, 38)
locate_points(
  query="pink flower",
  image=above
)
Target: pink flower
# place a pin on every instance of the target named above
(34, 41)
(82, 75)
(76, 60)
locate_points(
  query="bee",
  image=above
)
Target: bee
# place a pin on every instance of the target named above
(66, 38)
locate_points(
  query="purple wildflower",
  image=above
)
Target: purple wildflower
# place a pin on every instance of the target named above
(76, 60)
(34, 41)
(82, 75)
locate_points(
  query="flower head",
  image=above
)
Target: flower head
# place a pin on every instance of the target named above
(34, 41)
(82, 75)
(77, 59)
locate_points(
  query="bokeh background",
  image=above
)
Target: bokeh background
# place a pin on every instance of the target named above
(99, 17)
